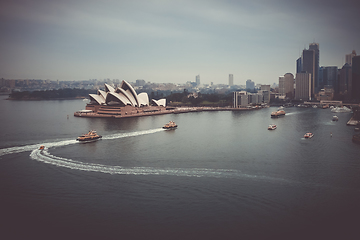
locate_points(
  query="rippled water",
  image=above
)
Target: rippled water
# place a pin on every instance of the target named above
(219, 175)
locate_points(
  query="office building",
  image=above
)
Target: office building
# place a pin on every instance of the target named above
(348, 57)
(303, 86)
(308, 65)
(240, 99)
(345, 77)
(197, 80)
(265, 89)
(315, 48)
(250, 85)
(298, 65)
(286, 86)
(231, 79)
(355, 78)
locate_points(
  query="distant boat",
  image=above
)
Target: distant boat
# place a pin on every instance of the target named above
(42, 147)
(272, 127)
(278, 113)
(308, 135)
(335, 118)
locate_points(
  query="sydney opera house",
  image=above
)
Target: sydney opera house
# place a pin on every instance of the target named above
(121, 102)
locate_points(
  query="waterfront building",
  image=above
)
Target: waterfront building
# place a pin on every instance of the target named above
(326, 94)
(286, 86)
(303, 86)
(355, 78)
(120, 102)
(244, 99)
(231, 79)
(240, 99)
(265, 89)
(197, 80)
(308, 65)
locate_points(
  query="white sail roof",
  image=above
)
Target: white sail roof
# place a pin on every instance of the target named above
(109, 88)
(111, 96)
(143, 99)
(160, 102)
(97, 98)
(130, 92)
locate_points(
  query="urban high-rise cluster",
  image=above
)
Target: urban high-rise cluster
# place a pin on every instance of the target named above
(315, 82)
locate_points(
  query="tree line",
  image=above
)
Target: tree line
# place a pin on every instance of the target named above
(66, 93)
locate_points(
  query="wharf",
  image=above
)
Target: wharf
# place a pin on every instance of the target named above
(352, 122)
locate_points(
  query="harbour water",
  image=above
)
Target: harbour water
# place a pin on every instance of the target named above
(220, 175)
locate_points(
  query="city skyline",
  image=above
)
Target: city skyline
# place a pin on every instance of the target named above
(165, 41)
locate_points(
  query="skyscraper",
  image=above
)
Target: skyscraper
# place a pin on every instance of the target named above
(348, 57)
(356, 78)
(197, 79)
(298, 65)
(303, 86)
(231, 80)
(315, 47)
(308, 65)
(345, 82)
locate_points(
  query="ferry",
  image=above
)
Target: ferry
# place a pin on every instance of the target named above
(272, 127)
(278, 113)
(89, 137)
(308, 135)
(170, 125)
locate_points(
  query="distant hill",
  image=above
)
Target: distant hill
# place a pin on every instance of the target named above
(66, 93)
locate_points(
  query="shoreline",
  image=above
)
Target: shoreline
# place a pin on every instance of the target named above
(173, 111)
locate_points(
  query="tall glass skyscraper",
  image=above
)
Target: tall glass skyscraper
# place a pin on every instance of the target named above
(315, 47)
(308, 65)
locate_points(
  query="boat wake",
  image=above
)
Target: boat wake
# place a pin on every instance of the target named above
(45, 157)
(26, 148)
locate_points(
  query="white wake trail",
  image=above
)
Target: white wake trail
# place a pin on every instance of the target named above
(45, 157)
(26, 148)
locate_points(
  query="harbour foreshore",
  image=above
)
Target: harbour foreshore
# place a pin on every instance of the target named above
(157, 111)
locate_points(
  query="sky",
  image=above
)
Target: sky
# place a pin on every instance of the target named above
(172, 41)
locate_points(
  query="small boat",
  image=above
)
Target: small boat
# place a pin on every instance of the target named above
(278, 113)
(335, 118)
(89, 137)
(170, 125)
(272, 127)
(42, 147)
(308, 135)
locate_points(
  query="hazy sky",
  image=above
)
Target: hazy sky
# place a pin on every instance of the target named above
(171, 41)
